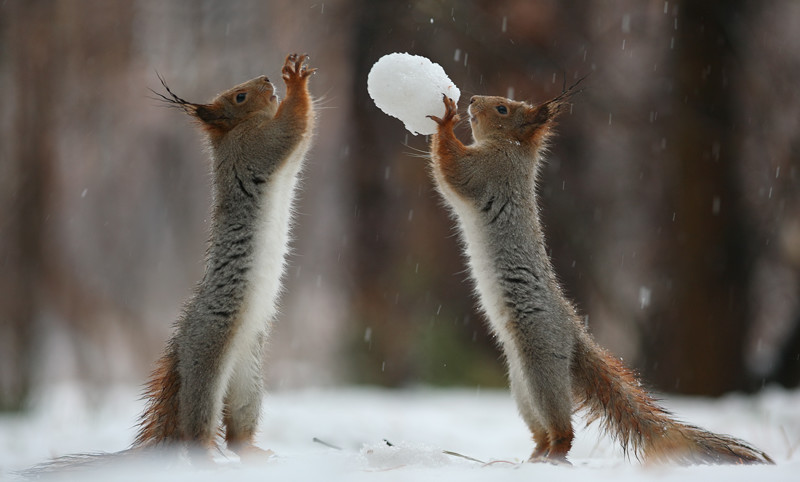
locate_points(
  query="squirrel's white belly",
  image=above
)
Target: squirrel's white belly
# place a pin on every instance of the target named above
(271, 244)
(483, 269)
(487, 285)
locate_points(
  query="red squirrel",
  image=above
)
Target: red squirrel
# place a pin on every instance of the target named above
(554, 364)
(211, 369)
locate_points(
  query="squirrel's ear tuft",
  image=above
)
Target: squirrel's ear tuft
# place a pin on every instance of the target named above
(209, 113)
(213, 118)
(548, 111)
(539, 115)
(538, 121)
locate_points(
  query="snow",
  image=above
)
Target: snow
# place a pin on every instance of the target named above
(480, 430)
(410, 87)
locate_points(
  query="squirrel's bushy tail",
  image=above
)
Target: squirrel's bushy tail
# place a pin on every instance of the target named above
(158, 424)
(68, 464)
(609, 392)
(159, 421)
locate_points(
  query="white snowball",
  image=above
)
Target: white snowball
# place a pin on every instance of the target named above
(410, 87)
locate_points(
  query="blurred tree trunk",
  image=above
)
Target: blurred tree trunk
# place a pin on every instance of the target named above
(415, 314)
(54, 47)
(698, 346)
(787, 370)
(388, 338)
(24, 199)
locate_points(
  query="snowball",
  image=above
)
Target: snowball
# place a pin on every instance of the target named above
(410, 87)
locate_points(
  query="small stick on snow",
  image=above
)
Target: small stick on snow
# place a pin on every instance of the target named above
(329, 445)
(456, 454)
(487, 464)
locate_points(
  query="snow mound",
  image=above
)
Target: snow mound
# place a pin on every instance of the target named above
(383, 456)
(410, 87)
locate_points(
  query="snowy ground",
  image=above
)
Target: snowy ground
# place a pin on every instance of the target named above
(421, 424)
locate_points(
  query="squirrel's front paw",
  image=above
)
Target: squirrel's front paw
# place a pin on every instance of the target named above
(295, 68)
(450, 112)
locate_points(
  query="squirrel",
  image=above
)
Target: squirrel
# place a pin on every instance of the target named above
(554, 364)
(211, 369)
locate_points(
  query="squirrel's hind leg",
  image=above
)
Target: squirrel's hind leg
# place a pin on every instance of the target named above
(524, 399)
(203, 384)
(555, 407)
(548, 381)
(542, 441)
(243, 404)
(552, 442)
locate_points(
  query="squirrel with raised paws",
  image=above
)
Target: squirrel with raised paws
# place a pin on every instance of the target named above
(211, 369)
(554, 364)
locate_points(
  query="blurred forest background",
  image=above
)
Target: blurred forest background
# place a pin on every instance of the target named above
(671, 196)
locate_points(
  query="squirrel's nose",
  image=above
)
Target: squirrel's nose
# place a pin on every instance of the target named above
(473, 99)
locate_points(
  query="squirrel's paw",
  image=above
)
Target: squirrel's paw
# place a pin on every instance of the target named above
(450, 113)
(543, 459)
(252, 454)
(202, 456)
(295, 68)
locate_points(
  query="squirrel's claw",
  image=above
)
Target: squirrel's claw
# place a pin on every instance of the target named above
(294, 67)
(450, 112)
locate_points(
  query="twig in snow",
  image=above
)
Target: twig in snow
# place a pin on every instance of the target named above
(487, 464)
(329, 445)
(456, 454)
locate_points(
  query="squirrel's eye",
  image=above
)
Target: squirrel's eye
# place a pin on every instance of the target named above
(240, 97)
(502, 109)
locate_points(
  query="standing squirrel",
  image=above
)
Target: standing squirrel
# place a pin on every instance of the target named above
(554, 364)
(212, 365)
(211, 369)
